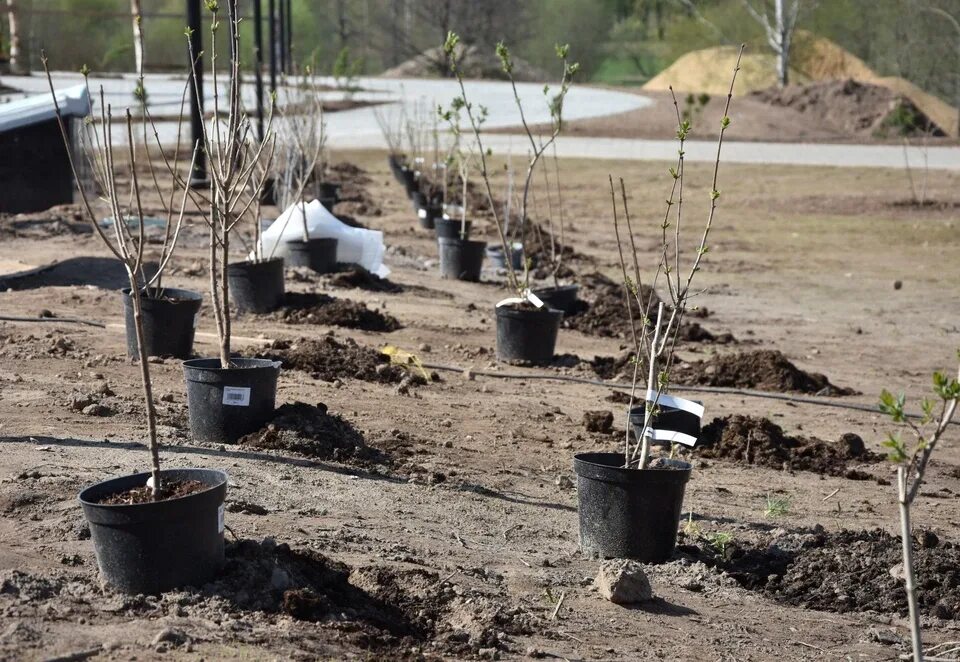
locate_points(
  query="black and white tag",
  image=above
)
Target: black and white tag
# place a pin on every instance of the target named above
(681, 404)
(236, 396)
(220, 523)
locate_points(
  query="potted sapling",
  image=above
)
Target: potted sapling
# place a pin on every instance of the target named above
(297, 166)
(563, 297)
(229, 397)
(495, 253)
(169, 315)
(160, 529)
(526, 327)
(436, 187)
(629, 503)
(392, 133)
(460, 257)
(415, 138)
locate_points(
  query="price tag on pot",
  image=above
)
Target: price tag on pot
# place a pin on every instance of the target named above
(237, 396)
(220, 518)
(421, 213)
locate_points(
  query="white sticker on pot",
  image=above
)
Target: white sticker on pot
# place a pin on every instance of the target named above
(694, 408)
(220, 524)
(196, 319)
(237, 396)
(421, 213)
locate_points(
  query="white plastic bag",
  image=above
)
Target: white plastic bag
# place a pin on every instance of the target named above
(354, 245)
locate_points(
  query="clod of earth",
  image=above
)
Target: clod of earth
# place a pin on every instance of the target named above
(758, 441)
(623, 582)
(598, 421)
(764, 369)
(355, 276)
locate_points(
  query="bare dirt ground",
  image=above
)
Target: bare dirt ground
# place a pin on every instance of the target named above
(755, 120)
(451, 503)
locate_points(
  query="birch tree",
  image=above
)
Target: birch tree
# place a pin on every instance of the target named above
(13, 22)
(135, 13)
(778, 29)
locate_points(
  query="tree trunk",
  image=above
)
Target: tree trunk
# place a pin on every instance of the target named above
(13, 21)
(783, 45)
(137, 34)
(908, 574)
(147, 384)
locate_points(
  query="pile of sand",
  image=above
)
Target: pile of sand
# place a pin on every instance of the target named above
(814, 60)
(475, 63)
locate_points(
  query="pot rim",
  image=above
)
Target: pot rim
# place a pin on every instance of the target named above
(221, 481)
(592, 462)
(546, 311)
(197, 364)
(183, 296)
(251, 263)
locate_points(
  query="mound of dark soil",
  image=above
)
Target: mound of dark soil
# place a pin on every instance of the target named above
(603, 313)
(845, 571)
(355, 276)
(854, 107)
(311, 431)
(355, 200)
(312, 308)
(329, 359)
(764, 369)
(758, 441)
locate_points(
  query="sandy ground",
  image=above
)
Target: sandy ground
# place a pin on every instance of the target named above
(474, 527)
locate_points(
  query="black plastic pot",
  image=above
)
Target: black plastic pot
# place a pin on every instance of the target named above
(168, 322)
(256, 287)
(527, 335)
(428, 216)
(461, 259)
(226, 403)
(448, 228)
(396, 167)
(408, 178)
(668, 418)
(562, 298)
(319, 254)
(155, 547)
(628, 513)
(495, 255)
(418, 200)
(329, 190)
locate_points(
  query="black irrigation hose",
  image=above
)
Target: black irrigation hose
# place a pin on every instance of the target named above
(871, 409)
(66, 320)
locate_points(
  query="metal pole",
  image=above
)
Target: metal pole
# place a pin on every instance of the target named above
(288, 40)
(281, 36)
(272, 38)
(198, 177)
(258, 64)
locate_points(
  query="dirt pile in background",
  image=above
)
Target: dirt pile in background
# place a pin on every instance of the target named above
(814, 60)
(474, 62)
(312, 308)
(764, 370)
(329, 359)
(853, 107)
(355, 276)
(752, 440)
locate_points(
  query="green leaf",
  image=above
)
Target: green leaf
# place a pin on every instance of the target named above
(714, 194)
(892, 405)
(725, 122)
(451, 42)
(898, 452)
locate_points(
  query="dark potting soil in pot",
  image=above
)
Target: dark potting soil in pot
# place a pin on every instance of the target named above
(312, 308)
(764, 369)
(843, 571)
(328, 359)
(172, 489)
(752, 440)
(312, 431)
(355, 276)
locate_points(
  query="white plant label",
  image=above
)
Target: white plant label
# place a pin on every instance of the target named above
(694, 408)
(220, 524)
(672, 436)
(196, 319)
(236, 396)
(421, 213)
(527, 296)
